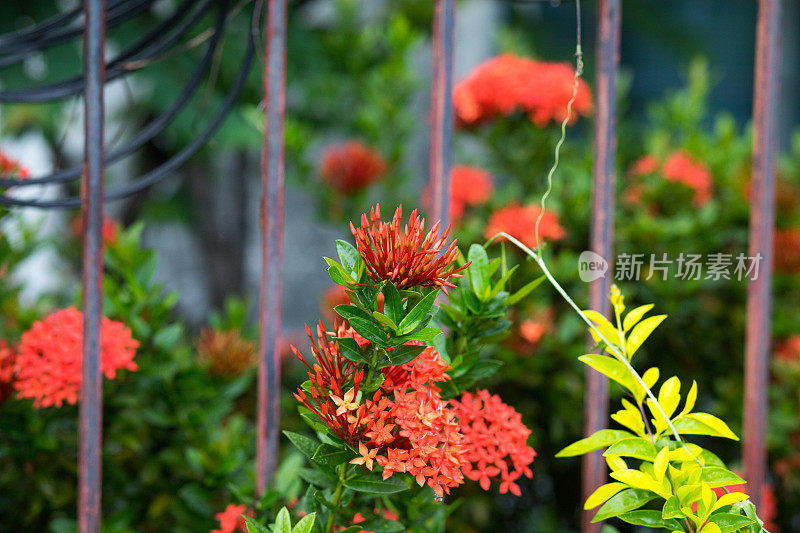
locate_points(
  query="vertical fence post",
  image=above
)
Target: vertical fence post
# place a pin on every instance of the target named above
(441, 153)
(602, 228)
(762, 220)
(91, 410)
(272, 164)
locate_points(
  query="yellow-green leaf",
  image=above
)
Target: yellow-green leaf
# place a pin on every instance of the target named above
(691, 398)
(669, 396)
(622, 502)
(711, 527)
(638, 480)
(612, 368)
(703, 424)
(630, 420)
(615, 462)
(640, 333)
(602, 325)
(602, 494)
(636, 447)
(661, 463)
(635, 315)
(599, 439)
(649, 378)
(729, 499)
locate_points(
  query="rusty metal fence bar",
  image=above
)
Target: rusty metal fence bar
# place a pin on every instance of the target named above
(441, 152)
(762, 221)
(272, 171)
(607, 42)
(91, 405)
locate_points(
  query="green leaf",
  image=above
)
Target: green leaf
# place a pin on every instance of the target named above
(478, 271)
(393, 303)
(341, 273)
(401, 355)
(703, 424)
(524, 291)
(306, 445)
(350, 312)
(484, 368)
(424, 335)
(350, 350)
(382, 525)
(640, 333)
(599, 439)
(501, 284)
(719, 477)
(672, 508)
(729, 522)
(305, 524)
(331, 455)
(416, 315)
(650, 519)
(368, 329)
(316, 478)
(612, 368)
(622, 502)
(634, 316)
(283, 523)
(375, 486)
(348, 255)
(254, 527)
(635, 447)
(385, 320)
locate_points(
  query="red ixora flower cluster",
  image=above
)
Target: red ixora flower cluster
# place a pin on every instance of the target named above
(48, 362)
(231, 519)
(10, 168)
(406, 256)
(351, 167)
(407, 427)
(495, 441)
(520, 222)
(679, 167)
(508, 83)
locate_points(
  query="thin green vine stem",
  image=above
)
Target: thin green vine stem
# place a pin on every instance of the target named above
(611, 347)
(337, 497)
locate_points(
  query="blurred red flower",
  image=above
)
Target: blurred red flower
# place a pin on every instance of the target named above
(49, 357)
(520, 222)
(469, 186)
(109, 231)
(10, 168)
(406, 256)
(231, 519)
(7, 358)
(645, 165)
(508, 83)
(351, 167)
(789, 350)
(680, 167)
(787, 250)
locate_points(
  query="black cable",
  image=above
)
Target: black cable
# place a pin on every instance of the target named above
(164, 36)
(31, 33)
(117, 14)
(161, 172)
(148, 132)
